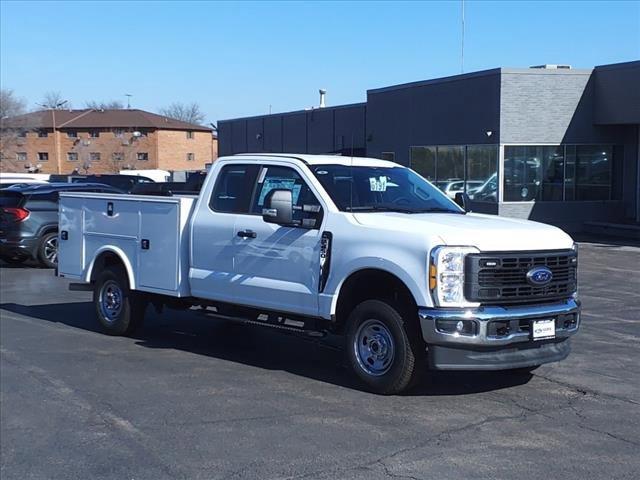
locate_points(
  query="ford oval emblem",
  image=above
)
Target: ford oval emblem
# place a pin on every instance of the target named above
(539, 276)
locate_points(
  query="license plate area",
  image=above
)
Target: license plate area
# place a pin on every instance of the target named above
(543, 329)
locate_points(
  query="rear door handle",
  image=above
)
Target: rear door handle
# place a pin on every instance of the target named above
(247, 234)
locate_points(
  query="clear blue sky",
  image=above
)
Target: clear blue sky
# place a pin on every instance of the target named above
(235, 59)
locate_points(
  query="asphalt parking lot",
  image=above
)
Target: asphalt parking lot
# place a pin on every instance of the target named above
(193, 398)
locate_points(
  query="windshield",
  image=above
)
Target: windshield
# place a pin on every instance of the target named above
(399, 189)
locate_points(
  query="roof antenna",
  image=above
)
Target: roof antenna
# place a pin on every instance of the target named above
(128, 95)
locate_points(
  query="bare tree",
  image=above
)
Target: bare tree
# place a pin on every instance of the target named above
(54, 100)
(186, 112)
(109, 105)
(10, 128)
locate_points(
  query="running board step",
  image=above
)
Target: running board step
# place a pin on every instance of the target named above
(277, 322)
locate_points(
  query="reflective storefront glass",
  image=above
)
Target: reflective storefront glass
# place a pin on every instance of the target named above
(471, 169)
(557, 172)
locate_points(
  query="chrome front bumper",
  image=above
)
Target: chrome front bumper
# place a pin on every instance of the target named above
(502, 337)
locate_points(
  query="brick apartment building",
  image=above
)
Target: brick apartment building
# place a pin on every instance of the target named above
(103, 141)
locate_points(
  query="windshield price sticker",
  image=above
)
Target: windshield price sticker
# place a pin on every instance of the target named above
(378, 184)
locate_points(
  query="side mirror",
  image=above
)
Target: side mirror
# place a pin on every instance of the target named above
(462, 199)
(278, 207)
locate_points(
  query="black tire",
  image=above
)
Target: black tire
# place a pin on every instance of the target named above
(126, 313)
(15, 259)
(375, 329)
(48, 250)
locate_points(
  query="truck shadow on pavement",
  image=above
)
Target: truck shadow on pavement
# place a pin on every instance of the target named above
(318, 359)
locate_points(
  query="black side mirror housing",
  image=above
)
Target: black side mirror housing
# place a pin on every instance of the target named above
(278, 207)
(463, 200)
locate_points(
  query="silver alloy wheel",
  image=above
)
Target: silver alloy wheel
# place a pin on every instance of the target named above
(110, 300)
(51, 249)
(374, 347)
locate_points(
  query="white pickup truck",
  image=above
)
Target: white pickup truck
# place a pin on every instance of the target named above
(357, 247)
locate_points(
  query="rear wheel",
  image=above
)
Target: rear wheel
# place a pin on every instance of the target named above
(120, 310)
(379, 348)
(48, 250)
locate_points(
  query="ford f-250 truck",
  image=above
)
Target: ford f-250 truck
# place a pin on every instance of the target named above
(358, 247)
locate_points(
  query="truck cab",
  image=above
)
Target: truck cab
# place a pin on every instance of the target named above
(361, 248)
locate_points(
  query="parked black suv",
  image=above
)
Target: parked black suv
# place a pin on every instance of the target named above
(29, 220)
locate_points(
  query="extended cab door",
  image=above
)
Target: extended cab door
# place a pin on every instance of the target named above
(213, 238)
(277, 267)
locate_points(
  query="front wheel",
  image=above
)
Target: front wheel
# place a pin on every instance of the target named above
(379, 348)
(120, 311)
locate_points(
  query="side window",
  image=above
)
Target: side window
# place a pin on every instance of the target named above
(233, 189)
(305, 203)
(42, 201)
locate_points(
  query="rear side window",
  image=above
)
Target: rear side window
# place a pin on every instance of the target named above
(233, 189)
(10, 199)
(42, 201)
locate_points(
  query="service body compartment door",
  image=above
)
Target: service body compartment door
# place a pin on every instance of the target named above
(159, 254)
(70, 238)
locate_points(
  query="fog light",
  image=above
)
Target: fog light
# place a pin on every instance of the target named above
(457, 327)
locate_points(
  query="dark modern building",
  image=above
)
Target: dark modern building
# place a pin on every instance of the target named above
(549, 143)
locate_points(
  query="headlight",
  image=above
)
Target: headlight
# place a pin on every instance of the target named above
(446, 276)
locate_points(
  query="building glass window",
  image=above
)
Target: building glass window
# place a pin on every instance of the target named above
(557, 172)
(481, 179)
(118, 132)
(43, 156)
(143, 156)
(72, 156)
(94, 156)
(593, 172)
(72, 134)
(423, 161)
(21, 156)
(449, 165)
(94, 133)
(42, 134)
(118, 157)
(189, 134)
(22, 133)
(455, 169)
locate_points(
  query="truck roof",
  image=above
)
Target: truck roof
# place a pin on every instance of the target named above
(315, 159)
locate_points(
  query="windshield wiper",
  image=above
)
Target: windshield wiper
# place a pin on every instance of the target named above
(438, 210)
(379, 208)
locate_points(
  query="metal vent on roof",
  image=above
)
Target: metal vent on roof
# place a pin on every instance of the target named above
(551, 66)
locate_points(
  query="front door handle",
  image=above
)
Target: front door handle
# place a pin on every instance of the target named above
(247, 234)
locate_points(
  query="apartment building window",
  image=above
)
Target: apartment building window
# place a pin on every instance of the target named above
(42, 134)
(94, 133)
(94, 156)
(22, 133)
(21, 156)
(191, 157)
(118, 132)
(43, 156)
(143, 156)
(190, 134)
(72, 156)
(72, 134)
(118, 157)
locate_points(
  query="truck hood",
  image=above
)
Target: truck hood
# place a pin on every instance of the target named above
(485, 232)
